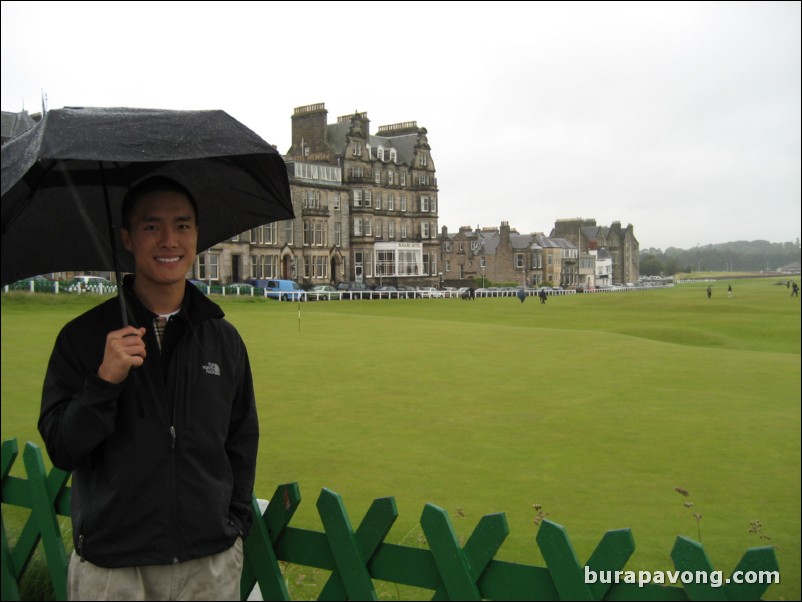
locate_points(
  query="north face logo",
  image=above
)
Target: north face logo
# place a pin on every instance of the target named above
(211, 368)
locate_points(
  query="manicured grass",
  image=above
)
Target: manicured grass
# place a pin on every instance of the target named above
(594, 406)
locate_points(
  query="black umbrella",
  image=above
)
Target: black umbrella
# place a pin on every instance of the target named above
(63, 182)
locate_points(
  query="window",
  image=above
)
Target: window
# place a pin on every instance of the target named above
(390, 178)
(357, 149)
(403, 179)
(519, 260)
(209, 266)
(391, 230)
(380, 154)
(367, 227)
(377, 175)
(424, 230)
(385, 263)
(335, 201)
(306, 233)
(429, 264)
(368, 198)
(272, 264)
(377, 229)
(423, 160)
(319, 239)
(265, 235)
(357, 198)
(338, 232)
(447, 246)
(311, 199)
(393, 155)
(391, 202)
(320, 266)
(315, 267)
(358, 265)
(289, 232)
(357, 226)
(403, 229)
(434, 205)
(378, 204)
(483, 262)
(447, 263)
(474, 245)
(403, 202)
(424, 204)
(357, 171)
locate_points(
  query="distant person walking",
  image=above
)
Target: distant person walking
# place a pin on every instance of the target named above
(543, 296)
(729, 291)
(794, 289)
(709, 292)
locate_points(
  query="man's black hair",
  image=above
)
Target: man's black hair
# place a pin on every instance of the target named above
(149, 186)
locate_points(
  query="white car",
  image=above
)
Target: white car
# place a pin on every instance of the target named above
(429, 292)
(95, 284)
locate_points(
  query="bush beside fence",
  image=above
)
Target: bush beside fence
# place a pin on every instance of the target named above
(357, 557)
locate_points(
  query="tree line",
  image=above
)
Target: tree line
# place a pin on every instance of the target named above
(739, 256)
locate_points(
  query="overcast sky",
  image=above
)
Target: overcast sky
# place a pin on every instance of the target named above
(682, 119)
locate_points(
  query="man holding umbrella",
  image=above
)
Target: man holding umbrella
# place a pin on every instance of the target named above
(156, 420)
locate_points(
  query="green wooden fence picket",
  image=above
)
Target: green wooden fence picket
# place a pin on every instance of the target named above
(358, 557)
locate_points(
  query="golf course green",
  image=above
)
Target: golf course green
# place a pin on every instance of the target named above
(594, 407)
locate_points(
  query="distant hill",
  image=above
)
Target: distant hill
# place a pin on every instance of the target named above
(737, 256)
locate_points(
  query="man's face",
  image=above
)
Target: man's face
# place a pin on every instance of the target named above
(163, 237)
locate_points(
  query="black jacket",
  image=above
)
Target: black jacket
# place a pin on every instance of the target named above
(163, 464)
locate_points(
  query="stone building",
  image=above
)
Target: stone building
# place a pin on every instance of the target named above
(502, 255)
(620, 243)
(365, 207)
(578, 253)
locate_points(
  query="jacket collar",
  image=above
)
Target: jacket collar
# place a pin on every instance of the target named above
(195, 307)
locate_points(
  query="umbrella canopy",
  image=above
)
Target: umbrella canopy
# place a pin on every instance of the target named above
(64, 179)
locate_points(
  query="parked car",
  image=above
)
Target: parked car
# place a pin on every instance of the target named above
(385, 292)
(322, 292)
(95, 284)
(354, 290)
(429, 292)
(408, 292)
(284, 290)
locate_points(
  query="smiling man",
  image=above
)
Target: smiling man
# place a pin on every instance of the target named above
(157, 423)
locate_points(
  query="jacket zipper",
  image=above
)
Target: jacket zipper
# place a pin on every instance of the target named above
(80, 548)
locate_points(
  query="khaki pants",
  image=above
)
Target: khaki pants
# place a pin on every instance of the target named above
(211, 578)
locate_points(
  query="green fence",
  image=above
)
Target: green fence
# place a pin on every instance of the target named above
(358, 557)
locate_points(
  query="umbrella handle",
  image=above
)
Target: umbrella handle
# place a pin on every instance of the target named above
(113, 241)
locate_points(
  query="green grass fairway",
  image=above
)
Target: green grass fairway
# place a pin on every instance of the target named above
(593, 406)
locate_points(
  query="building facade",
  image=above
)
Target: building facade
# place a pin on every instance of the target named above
(576, 254)
(365, 207)
(502, 255)
(620, 243)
